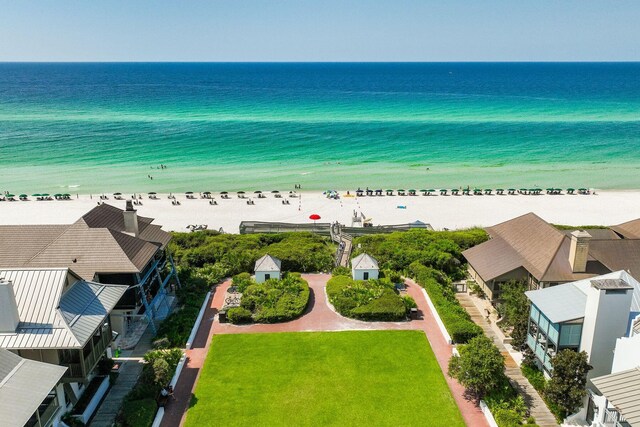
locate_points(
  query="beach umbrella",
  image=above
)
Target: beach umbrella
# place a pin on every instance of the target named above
(23, 195)
(36, 195)
(224, 192)
(152, 192)
(240, 192)
(207, 192)
(314, 217)
(189, 192)
(257, 192)
(45, 194)
(11, 195)
(117, 194)
(275, 191)
(57, 195)
(66, 195)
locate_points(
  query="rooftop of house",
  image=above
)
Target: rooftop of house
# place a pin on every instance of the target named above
(364, 262)
(24, 384)
(568, 301)
(622, 390)
(267, 263)
(95, 243)
(531, 243)
(56, 310)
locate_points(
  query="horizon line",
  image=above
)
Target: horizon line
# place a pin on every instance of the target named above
(324, 62)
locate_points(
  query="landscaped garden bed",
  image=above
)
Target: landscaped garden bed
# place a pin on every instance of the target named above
(368, 300)
(371, 378)
(269, 302)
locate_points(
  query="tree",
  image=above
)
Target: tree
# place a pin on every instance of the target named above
(566, 389)
(515, 309)
(480, 366)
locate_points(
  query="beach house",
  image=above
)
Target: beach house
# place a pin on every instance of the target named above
(53, 316)
(529, 249)
(267, 267)
(30, 391)
(364, 267)
(106, 245)
(589, 314)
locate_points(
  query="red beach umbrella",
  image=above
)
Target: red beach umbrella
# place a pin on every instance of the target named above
(314, 217)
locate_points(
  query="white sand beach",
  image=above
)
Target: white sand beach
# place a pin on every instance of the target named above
(602, 208)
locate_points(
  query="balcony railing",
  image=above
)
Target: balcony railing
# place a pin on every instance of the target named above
(614, 419)
(80, 370)
(44, 413)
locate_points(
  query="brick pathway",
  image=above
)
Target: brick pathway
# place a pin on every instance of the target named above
(537, 407)
(110, 406)
(318, 317)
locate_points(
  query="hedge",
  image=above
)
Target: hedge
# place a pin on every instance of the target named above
(370, 300)
(139, 413)
(272, 301)
(455, 318)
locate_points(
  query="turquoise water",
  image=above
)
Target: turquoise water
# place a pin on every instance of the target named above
(95, 128)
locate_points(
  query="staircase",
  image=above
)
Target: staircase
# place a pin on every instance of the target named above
(345, 245)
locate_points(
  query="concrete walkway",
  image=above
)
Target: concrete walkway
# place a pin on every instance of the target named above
(537, 408)
(318, 317)
(106, 415)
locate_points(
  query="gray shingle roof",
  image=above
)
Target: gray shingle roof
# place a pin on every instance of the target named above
(622, 389)
(364, 262)
(84, 249)
(267, 263)
(50, 318)
(24, 384)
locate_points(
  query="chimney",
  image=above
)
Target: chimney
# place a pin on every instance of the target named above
(130, 220)
(9, 317)
(579, 251)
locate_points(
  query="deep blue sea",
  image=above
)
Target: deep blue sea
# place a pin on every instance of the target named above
(107, 127)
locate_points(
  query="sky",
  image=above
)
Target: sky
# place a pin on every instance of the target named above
(320, 30)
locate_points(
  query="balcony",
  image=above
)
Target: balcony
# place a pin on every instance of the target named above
(612, 418)
(81, 362)
(45, 412)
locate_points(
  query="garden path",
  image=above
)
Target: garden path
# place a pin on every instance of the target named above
(319, 316)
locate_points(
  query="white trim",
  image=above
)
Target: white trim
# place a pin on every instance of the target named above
(196, 325)
(487, 414)
(443, 330)
(158, 419)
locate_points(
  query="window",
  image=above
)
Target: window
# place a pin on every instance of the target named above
(267, 276)
(365, 275)
(570, 335)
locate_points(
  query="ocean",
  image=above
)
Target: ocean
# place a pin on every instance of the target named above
(106, 127)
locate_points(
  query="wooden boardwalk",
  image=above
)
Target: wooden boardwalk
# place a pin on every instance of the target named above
(537, 408)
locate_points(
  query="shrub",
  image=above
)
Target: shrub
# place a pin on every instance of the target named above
(277, 300)
(341, 271)
(566, 388)
(242, 281)
(139, 413)
(366, 300)
(535, 376)
(455, 318)
(238, 315)
(480, 366)
(409, 303)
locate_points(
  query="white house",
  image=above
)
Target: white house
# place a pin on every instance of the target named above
(589, 314)
(267, 268)
(364, 267)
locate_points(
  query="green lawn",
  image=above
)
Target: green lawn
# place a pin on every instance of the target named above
(376, 378)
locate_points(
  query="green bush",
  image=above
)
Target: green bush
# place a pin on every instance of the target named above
(438, 286)
(441, 250)
(242, 281)
(535, 377)
(306, 252)
(366, 300)
(239, 315)
(139, 413)
(277, 300)
(409, 303)
(341, 271)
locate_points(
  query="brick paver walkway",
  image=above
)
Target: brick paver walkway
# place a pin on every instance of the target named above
(537, 408)
(318, 317)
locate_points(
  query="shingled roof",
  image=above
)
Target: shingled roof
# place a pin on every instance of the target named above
(53, 316)
(364, 262)
(629, 229)
(531, 243)
(96, 243)
(267, 263)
